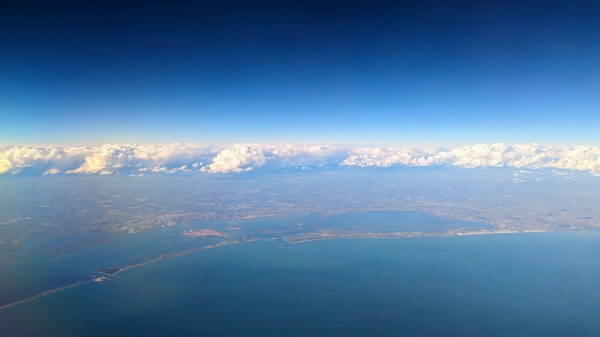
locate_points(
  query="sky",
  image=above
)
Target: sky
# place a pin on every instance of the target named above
(398, 73)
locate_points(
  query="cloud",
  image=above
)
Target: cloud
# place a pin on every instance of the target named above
(179, 158)
(103, 159)
(52, 171)
(296, 156)
(5, 165)
(246, 157)
(535, 156)
(164, 169)
(238, 158)
(393, 156)
(16, 158)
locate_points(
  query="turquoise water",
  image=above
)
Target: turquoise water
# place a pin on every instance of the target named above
(538, 284)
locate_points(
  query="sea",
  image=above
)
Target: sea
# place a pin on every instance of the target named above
(526, 284)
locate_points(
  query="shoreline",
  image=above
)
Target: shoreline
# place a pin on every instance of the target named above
(340, 235)
(123, 268)
(330, 235)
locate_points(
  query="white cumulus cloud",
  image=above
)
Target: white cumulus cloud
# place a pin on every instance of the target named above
(578, 158)
(238, 158)
(176, 158)
(103, 159)
(246, 157)
(386, 157)
(52, 171)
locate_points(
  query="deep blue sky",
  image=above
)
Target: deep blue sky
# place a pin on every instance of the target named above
(399, 72)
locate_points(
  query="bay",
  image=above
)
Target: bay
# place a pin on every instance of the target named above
(486, 285)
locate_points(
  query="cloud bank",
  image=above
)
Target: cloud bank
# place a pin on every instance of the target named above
(534, 156)
(173, 158)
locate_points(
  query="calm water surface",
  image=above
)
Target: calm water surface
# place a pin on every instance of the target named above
(538, 284)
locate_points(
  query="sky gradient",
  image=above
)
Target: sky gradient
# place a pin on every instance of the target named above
(445, 73)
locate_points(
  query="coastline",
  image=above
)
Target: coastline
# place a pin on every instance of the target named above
(119, 269)
(338, 235)
(291, 239)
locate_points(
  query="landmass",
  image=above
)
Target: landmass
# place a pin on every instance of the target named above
(201, 233)
(328, 234)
